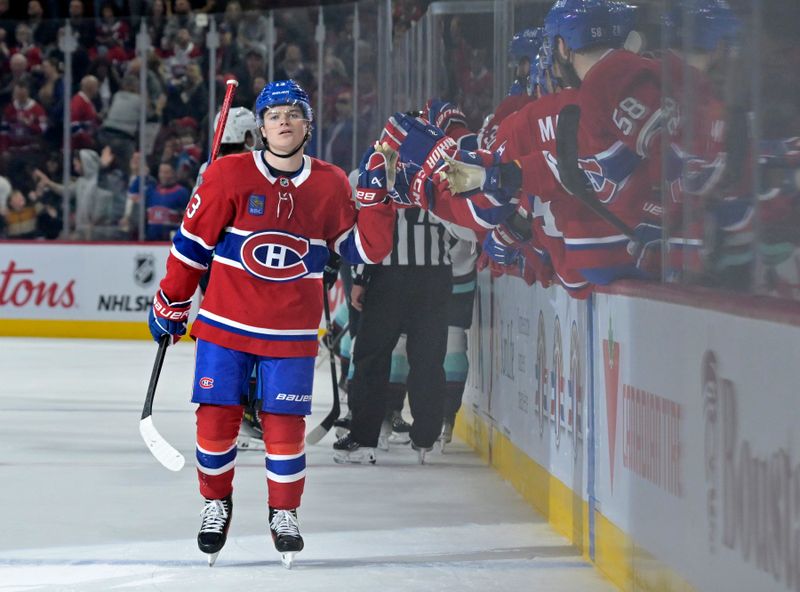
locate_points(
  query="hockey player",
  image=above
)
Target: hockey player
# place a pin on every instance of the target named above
(268, 219)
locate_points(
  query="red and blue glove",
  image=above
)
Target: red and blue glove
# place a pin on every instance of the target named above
(168, 318)
(502, 245)
(376, 175)
(443, 114)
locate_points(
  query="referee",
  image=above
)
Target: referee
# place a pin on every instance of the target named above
(407, 293)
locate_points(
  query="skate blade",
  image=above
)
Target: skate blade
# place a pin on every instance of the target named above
(341, 432)
(383, 444)
(288, 558)
(359, 460)
(212, 558)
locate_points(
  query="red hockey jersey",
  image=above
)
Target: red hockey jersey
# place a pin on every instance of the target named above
(269, 238)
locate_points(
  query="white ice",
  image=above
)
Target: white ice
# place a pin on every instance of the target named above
(86, 507)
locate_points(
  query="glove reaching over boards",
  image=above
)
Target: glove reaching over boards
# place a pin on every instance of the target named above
(481, 170)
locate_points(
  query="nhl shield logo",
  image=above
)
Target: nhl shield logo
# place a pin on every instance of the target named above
(144, 269)
(284, 182)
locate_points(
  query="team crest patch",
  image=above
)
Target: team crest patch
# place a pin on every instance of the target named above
(255, 205)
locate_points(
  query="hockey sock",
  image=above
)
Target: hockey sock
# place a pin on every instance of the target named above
(217, 429)
(285, 459)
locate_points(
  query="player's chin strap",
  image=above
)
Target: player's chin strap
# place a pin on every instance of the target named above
(293, 152)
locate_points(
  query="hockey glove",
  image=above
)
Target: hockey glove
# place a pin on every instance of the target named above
(330, 273)
(419, 141)
(395, 131)
(535, 266)
(413, 188)
(469, 171)
(376, 175)
(647, 250)
(502, 246)
(168, 318)
(443, 114)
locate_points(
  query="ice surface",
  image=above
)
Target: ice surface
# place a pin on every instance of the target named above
(86, 507)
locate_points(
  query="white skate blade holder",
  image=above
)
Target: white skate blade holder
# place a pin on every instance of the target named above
(287, 559)
(212, 558)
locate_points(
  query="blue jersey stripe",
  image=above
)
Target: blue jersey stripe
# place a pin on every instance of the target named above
(191, 250)
(286, 467)
(349, 251)
(252, 334)
(215, 461)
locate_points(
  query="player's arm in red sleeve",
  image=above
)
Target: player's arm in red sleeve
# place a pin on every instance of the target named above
(209, 212)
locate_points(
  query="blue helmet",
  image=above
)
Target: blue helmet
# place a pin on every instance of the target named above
(710, 22)
(526, 44)
(581, 24)
(623, 21)
(542, 76)
(283, 92)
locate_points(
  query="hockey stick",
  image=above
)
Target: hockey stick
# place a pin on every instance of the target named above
(573, 178)
(319, 432)
(162, 450)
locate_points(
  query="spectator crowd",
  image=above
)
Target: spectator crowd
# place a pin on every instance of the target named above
(104, 102)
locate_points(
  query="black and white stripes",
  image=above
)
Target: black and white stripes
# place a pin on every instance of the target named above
(419, 240)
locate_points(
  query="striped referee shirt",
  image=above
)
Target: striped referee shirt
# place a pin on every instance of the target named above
(419, 239)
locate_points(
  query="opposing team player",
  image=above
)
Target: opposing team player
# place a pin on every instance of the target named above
(268, 219)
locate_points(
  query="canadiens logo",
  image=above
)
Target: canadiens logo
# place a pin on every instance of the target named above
(206, 382)
(604, 187)
(275, 256)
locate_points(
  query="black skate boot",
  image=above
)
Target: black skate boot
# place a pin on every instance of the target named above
(348, 450)
(285, 534)
(342, 424)
(214, 527)
(400, 429)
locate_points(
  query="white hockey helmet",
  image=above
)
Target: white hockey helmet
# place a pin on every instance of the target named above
(240, 121)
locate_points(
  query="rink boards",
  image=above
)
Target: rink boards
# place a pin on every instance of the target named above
(89, 290)
(691, 481)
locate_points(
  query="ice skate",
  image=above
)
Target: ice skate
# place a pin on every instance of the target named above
(213, 533)
(446, 436)
(285, 532)
(400, 429)
(348, 450)
(422, 451)
(342, 425)
(383, 437)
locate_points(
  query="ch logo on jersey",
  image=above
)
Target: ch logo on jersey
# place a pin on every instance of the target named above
(275, 256)
(603, 187)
